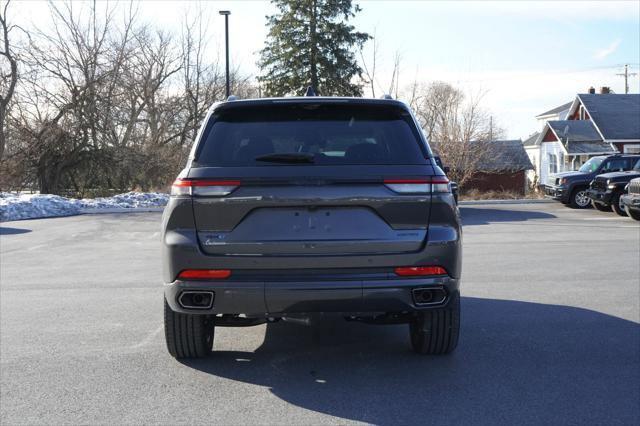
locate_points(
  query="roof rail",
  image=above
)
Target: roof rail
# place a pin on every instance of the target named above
(386, 96)
(232, 98)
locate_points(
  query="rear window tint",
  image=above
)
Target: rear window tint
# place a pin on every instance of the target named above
(333, 135)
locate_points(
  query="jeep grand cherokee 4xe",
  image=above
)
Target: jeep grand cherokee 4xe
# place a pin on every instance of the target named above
(297, 206)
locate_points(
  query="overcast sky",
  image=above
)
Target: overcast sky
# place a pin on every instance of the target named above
(526, 57)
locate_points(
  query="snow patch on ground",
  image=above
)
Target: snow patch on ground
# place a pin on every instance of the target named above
(34, 206)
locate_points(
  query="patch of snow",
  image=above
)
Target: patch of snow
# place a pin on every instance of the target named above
(129, 200)
(34, 206)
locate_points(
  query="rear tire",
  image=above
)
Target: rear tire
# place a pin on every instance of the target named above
(436, 331)
(578, 199)
(633, 214)
(616, 204)
(600, 207)
(187, 335)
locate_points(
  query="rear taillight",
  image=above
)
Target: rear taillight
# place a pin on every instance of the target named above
(440, 184)
(420, 271)
(418, 186)
(204, 274)
(203, 188)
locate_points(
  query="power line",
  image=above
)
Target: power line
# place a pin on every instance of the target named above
(626, 75)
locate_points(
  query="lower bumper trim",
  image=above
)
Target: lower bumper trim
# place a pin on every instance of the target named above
(266, 298)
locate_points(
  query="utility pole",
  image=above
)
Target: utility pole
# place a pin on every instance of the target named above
(226, 14)
(626, 75)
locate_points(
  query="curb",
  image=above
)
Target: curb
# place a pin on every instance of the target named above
(122, 210)
(519, 201)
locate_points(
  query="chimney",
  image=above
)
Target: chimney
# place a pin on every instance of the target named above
(592, 90)
(604, 90)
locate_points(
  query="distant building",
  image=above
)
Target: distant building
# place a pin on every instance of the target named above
(503, 169)
(593, 124)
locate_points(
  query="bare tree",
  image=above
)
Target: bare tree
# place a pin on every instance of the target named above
(395, 75)
(10, 78)
(109, 105)
(370, 69)
(459, 130)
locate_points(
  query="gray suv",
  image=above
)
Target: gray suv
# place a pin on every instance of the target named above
(293, 207)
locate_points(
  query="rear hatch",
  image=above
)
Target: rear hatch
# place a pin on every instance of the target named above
(305, 179)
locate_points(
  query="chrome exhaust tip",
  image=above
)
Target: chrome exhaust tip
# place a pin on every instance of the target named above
(429, 296)
(196, 299)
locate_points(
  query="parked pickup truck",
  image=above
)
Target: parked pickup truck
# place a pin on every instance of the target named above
(607, 189)
(571, 187)
(631, 200)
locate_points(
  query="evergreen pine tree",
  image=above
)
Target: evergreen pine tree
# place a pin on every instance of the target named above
(310, 43)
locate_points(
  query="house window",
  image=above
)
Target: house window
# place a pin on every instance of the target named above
(632, 148)
(553, 163)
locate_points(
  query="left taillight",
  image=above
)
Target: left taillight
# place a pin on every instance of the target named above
(203, 188)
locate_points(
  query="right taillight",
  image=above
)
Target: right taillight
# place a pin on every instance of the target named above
(419, 186)
(440, 184)
(203, 187)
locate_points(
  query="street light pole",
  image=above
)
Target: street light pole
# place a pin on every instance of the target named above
(226, 14)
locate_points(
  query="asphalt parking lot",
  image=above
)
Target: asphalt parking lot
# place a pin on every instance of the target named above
(550, 334)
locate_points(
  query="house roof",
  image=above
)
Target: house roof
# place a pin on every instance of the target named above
(575, 130)
(616, 116)
(505, 155)
(531, 140)
(556, 110)
(589, 148)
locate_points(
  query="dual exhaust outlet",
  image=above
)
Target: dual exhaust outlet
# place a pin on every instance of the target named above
(429, 296)
(196, 299)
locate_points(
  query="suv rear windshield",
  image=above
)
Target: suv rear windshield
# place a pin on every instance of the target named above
(320, 134)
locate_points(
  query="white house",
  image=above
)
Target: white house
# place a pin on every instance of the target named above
(532, 144)
(593, 124)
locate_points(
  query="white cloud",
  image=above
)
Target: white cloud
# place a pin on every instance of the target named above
(601, 54)
(515, 97)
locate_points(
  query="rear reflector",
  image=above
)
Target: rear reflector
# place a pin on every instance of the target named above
(204, 274)
(203, 188)
(415, 271)
(418, 186)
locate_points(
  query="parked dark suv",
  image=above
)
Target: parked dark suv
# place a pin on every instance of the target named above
(297, 206)
(571, 187)
(631, 200)
(606, 190)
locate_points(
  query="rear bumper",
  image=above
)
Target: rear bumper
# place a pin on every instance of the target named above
(257, 299)
(602, 197)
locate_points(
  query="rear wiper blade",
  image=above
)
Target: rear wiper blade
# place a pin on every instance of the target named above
(287, 157)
